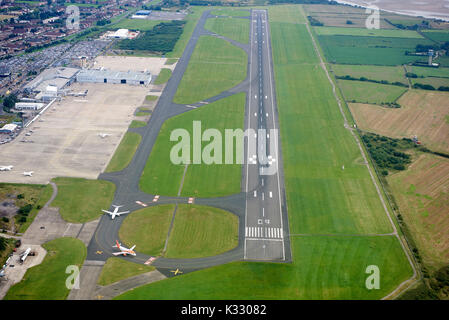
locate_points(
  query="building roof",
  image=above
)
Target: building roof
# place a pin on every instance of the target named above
(9, 127)
(110, 74)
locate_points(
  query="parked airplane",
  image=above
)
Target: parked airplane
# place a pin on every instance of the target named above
(24, 255)
(115, 212)
(28, 174)
(123, 250)
(104, 135)
(176, 271)
(6, 168)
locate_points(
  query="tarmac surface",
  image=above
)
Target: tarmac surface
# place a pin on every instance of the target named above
(260, 206)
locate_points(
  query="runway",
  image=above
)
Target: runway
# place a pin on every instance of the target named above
(260, 207)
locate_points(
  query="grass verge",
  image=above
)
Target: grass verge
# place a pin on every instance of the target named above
(125, 152)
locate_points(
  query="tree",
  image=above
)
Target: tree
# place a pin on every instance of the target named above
(9, 102)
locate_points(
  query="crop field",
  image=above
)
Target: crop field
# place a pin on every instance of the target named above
(215, 66)
(422, 113)
(378, 73)
(364, 32)
(370, 50)
(368, 92)
(433, 81)
(125, 152)
(81, 200)
(47, 281)
(235, 29)
(198, 231)
(161, 176)
(337, 223)
(429, 72)
(437, 35)
(422, 193)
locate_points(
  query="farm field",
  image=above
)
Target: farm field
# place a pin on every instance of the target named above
(364, 32)
(323, 268)
(125, 152)
(429, 72)
(422, 193)
(378, 73)
(422, 113)
(344, 49)
(81, 200)
(127, 269)
(161, 176)
(47, 281)
(368, 92)
(235, 29)
(200, 231)
(215, 66)
(433, 81)
(437, 35)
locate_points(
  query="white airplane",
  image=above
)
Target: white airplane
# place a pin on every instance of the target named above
(115, 212)
(123, 250)
(6, 168)
(24, 255)
(104, 135)
(28, 174)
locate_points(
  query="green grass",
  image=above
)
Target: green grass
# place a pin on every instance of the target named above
(323, 268)
(192, 20)
(143, 114)
(429, 72)
(161, 176)
(433, 81)
(236, 29)
(437, 35)
(147, 229)
(151, 98)
(370, 50)
(81, 200)
(171, 61)
(117, 269)
(125, 152)
(136, 24)
(200, 231)
(368, 92)
(286, 13)
(137, 124)
(214, 66)
(231, 12)
(378, 73)
(387, 33)
(47, 281)
(36, 195)
(163, 77)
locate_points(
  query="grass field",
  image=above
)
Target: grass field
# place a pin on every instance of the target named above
(370, 50)
(161, 176)
(378, 73)
(47, 281)
(163, 76)
(287, 13)
(433, 81)
(364, 32)
(215, 66)
(231, 12)
(422, 113)
(137, 124)
(236, 29)
(422, 193)
(437, 35)
(369, 92)
(117, 269)
(136, 24)
(200, 231)
(125, 152)
(36, 195)
(429, 72)
(323, 268)
(81, 200)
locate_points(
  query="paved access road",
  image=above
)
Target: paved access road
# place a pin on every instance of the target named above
(262, 196)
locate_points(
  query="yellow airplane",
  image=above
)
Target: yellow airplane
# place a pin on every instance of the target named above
(176, 271)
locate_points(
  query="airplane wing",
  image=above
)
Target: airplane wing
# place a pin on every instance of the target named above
(105, 211)
(118, 253)
(123, 212)
(132, 248)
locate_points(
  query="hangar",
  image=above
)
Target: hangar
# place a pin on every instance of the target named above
(109, 76)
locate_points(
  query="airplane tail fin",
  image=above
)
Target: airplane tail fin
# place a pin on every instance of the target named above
(117, 244)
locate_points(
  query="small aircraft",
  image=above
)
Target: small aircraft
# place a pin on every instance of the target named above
(24, 255)
(104, 135)
(28, 173)
(123, 250)
(176, 271)
(6, 168)
(115, 212)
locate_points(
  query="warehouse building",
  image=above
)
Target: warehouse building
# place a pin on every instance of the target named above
(49, 79)
(109, 76)
(8, 128)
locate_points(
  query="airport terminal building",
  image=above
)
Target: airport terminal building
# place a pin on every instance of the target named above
(109, 76)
